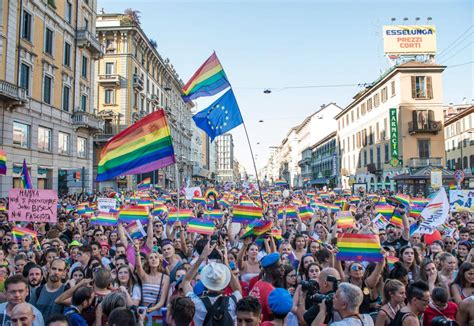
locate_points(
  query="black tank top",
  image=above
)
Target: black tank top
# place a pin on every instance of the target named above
(400, 317)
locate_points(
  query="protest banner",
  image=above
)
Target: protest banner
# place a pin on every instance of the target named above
(32, 205)
(106, 204)
(461, 200)
(435, 213)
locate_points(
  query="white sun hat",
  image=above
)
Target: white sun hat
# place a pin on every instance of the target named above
(215, 276)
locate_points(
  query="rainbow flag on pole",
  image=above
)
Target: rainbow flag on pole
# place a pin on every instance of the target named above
(25, 177)
(243, 214)
(129, 214)
(199, 201)
(143, 147)
(206, 227)
(359, 247)
(19, 232)
(183, 216)
(397, 218)
(208, 80)
(385, 209)
(3, 162)
(160, 210)
(145, 184)
(214, 214)
(305, 212)
(105, 218)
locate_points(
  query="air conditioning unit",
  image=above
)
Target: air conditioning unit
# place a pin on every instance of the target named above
(435, 126)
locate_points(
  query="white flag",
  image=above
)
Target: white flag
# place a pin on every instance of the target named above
(436, 212)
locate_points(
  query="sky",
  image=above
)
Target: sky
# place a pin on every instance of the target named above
(265, 44)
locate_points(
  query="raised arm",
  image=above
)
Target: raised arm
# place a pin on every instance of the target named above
(406, 226)
(121, 234)
(194, 268)
(138, 263)
(373, 279)
(149, 232)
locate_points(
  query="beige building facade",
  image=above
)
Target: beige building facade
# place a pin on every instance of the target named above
(368, 134)
(47, 51)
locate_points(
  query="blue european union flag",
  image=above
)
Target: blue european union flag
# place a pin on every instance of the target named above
(220, 117)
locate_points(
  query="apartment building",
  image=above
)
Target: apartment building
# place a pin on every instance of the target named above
(133, 80)
(225, 158)
(47, 54)
(391, 133)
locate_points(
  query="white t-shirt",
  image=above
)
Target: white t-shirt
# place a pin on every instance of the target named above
(354, 321)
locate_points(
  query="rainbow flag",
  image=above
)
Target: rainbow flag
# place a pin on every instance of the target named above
(380, 221)
(206, 227)
(324, 196)
(243, 214)
(19, 232)
(183, 216)
(3, 208)
(333, 208)
(208, 80)
(261, 227)
(199, 201)
(354, 200)
(135, 230)
(128, 214)
(391, 260)
(290, 211)
(25, 177)
(397, 218)
(276, 234)
(415, 211)
(146, 202)
(160, 210)
(359, 247)
(211, 192)
(145, 184)
(105, 219)
(305, 212)
(403, 199)
(385, 209)
(418, 201)
(224, 203)
(345, 220)
(247, 203)
(3, 162)
(413, 228)
(280, 183)
(452, 186)
(143, 147)
(214, 214)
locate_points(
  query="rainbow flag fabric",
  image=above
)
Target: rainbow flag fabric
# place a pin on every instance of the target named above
(145, 184)
(135, 230)
(305, 212)
(208, 80)
(160, 210)
(3, 162)
(391, 260)
(280, 183)
(345, 220)
(397, 218)
(25, 177)
(290, 211)
(105, 218)
(143, 147)
(359, 247)
(211, 192)
(129, 214)
(385, 209)
(19, 232)
(214, 214)
(261, 227)
(243, 214)
(183, 216)
(199, 201)
(206, 227)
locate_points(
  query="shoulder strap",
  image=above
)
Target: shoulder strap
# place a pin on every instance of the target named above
(38, 292)
(158, 297)
(233, 298)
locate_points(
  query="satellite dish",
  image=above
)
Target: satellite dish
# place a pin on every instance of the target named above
(286, 193)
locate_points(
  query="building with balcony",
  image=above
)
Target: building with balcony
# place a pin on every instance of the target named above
(393, 128)
(324, 162)
(225, 158)
(459, 141)
(133, 80)
(47, 54)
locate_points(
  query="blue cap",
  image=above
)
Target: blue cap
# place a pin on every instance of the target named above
(270, 259)
(280, 301)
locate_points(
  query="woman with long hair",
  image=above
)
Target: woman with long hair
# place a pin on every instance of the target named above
(411, 261)
(306, 260)
(399, 272)
(247, 260)
(448, 264)
(394, 296)
(155, 283)
(463, 250)
(463, 285)
(312, 274)
(289, 279)
(128, 283)
(313, 247)
(430, 275)
(299, 246)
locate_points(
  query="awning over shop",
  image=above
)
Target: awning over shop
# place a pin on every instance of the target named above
(423, 174)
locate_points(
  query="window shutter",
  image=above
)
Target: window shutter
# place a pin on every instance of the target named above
(429, 87)
(413, 86)
(414, 115)
(430, 116)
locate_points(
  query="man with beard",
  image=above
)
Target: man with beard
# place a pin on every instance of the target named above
(43, 297)
(272, 277)
(34, 275)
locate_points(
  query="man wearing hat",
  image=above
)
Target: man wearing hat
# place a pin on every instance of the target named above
(215, 277)
(280, 302)
(272, 274)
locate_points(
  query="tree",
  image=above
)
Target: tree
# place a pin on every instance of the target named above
(131, 17)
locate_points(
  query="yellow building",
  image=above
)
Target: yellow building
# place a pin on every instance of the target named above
(47, 50)
(132, 81)
(393, 129)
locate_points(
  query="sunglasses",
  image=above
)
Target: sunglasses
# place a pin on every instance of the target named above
(356, 268)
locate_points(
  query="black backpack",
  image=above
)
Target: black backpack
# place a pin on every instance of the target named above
(218, 313)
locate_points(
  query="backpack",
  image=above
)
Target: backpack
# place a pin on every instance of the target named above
(218, 313)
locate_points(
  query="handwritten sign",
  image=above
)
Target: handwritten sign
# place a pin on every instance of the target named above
(32, 205)
(461, 200)
(106, 204)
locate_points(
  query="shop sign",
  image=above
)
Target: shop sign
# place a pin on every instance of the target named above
(394, 137)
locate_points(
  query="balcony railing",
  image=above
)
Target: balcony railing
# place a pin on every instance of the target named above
(417, 127)
(11, 92)
(109, 79)
(82, 119)
(138, 82)
(416, 162)
(86, 39)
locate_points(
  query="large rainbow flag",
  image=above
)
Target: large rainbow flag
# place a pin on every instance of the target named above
(143, 147)
(208, 80)
(206, 227)
(105, 218)
(243, 214)
(128, 214)
(3, 162)
(359, 247)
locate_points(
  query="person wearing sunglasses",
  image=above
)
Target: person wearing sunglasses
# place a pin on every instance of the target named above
(418, 297)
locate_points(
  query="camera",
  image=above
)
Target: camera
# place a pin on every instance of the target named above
(442, 321)
(310, 286)
(318, 297)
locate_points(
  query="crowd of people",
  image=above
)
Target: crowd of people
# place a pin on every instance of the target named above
(283, 269)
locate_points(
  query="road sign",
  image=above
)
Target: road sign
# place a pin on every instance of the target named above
(459, 176)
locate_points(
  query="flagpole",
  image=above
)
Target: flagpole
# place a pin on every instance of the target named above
(254, 165)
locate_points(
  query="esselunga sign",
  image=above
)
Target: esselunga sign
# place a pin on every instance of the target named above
(415, 39)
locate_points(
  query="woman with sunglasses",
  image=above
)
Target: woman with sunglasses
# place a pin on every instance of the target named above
(128, 283)
(463, 285)
(394, 296)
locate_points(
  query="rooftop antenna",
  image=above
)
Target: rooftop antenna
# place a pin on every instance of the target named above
(393, 19)
(417, 19)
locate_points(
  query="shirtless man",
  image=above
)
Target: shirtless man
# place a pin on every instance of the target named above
(465, 315)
